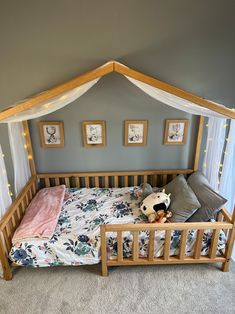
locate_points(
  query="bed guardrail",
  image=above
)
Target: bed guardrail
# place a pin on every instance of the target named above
(226, 223)
(112, 179)
(11, 220)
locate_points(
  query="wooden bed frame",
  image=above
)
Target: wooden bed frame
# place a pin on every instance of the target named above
(225, 221)
(15, 213)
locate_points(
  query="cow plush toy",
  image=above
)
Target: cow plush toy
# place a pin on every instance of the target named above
(155, 206)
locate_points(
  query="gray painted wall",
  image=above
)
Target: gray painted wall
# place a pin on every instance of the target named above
(188, 43)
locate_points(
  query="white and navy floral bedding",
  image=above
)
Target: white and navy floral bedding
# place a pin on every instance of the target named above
(76, 240)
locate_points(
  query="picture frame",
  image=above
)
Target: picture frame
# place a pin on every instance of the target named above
(94, 133)
(176, 132)
(135, 132)
(51, 134)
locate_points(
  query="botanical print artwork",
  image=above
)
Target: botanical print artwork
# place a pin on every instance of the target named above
(176, 132)
(135, 133)
(51, 134)
(94, 134)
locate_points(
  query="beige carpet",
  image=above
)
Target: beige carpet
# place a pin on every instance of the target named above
(151, 289)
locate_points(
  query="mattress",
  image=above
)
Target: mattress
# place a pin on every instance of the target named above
(76, 240)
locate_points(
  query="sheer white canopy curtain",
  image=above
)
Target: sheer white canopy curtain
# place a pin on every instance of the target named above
(62, 100)
(214, 150)
(19, 155)
(173, 100)
(5, 198)
(227, 180)
(54, 104)
(219, 161)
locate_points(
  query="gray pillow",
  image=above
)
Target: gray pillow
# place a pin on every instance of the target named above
(183, 200)
(210, 201)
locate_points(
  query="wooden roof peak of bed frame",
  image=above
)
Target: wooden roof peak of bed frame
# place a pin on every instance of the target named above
(109, 67)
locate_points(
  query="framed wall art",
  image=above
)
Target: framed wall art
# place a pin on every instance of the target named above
(135, 133)
(94, 133)
(51, 134)
(176, 132)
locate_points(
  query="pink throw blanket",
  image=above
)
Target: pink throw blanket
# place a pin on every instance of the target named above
(41, 216)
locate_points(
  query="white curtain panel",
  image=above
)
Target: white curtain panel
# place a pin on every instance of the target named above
(19, 155)
(174, 101)
(214, 150)
(5, 198)
(54, 104)
(227, 181)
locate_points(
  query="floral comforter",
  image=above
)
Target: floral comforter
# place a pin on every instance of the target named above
(76, 240)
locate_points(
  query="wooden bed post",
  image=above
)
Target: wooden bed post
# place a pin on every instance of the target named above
(230, 242)
(199, 142)
(29, 148)
(7, 274)
(103, 251)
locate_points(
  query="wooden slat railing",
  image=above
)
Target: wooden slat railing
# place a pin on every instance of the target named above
(167, 244)
(11, 220)
(181, 258)
(135, 247)
(119, 246)
(225, 215)
(214, 243)
(183, 239)
(111, 179)
(151, 245)
(198, 244)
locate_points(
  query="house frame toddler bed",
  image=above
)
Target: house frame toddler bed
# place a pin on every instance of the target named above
(15, 213)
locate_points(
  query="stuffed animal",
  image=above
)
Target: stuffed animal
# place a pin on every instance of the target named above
(162, 216)
(155, 206)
